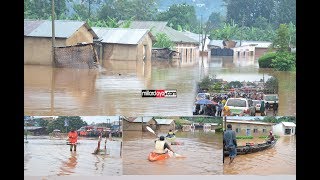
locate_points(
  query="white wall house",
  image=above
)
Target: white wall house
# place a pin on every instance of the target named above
(284, 128)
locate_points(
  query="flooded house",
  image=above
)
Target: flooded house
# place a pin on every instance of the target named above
(250, 127)
(284, 129)
(124, 44)
(38, 38)
(165, 124)
(138, 123)
(187, 48)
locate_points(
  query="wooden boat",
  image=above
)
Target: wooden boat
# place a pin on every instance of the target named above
(252, 148)
(156, 157)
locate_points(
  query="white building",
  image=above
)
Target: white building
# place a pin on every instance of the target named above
(284, 128)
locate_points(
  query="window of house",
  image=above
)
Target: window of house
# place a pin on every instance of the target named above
(255, 130)
(237, 130)
(264, 130)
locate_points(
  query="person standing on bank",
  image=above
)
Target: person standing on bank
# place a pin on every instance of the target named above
(73, 138)
(230, 142)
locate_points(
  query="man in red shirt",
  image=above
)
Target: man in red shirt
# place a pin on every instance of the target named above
(73, 138)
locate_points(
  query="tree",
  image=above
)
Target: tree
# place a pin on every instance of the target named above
(41, 9)
(163, 41)
(74, 122)
(41, 122)
(227, 32)
(284, 61)
(215, 20)
(282, 39)
(271, 86)
(235, 84)
(180, 14)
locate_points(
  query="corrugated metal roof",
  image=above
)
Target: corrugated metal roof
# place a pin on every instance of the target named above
(30, 25)
(160, 26)
(142, 119)
(218, 43)
(249, 122)
(120, 35)
(154, 26)
(178, 37)
(289, 124)
(258, 44)
(164, 121)
(63, 28)
(32, 127)
(194, 36)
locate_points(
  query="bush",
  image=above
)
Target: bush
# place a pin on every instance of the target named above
(284, 61)
(265, 60)
(244, 137)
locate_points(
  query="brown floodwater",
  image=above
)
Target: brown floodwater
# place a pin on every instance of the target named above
(115, 89)
(51, 157)
(202, 152)
(279, 160)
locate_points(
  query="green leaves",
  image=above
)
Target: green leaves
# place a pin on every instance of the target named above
(163, 41)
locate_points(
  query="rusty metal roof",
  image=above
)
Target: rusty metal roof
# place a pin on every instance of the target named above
(121, 35)
(63, 28)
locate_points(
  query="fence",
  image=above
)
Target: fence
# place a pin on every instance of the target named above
(78, 56)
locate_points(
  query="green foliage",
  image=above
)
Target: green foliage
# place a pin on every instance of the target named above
(180, 14)
(254, 12)
(284, 61)
(214, 119)
(271, 86)
(235, 84)
(74, 122)
(215, 20)
(272, 119)
(264, 137)
(125, 9)
(227, 32)
(41, 9)
(205, 83)
(41, 122)
(244, 137)
(281, 41)
(163, 41)
(265, 60)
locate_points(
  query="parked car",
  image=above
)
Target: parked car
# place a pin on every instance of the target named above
(270, 98)
(238, 106)
(257, 104)
(202, 96)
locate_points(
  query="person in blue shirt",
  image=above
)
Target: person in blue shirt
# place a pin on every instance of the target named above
(230, 142)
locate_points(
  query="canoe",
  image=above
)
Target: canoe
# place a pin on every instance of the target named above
(171, 139)
(157, 157)
(252, 148)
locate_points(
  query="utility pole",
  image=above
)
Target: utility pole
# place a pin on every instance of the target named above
(53, 32)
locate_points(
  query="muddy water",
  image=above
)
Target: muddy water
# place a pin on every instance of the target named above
(51, 157)
(281, 159)
(202, 151)
(115, 89)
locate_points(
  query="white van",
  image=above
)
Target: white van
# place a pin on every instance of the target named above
(270, 98)
(241, 105)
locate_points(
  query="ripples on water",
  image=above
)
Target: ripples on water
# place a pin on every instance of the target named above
(203, 152)
(117, 88)
(281, 159)
(51, 157)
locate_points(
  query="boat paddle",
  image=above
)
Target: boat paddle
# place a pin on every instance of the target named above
(174, 154)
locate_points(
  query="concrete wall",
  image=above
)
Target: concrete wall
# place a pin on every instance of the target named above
(128, 52)
(119, 52)
(37, 50)
(129, 126)
(164, 128)
(260, 51)
(279, 130)
(144, 48)
(81, 35)
(244, 127)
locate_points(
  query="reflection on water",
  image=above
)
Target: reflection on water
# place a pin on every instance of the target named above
(281, 159)
(116, 88)
(51, 157)
(203, 152)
